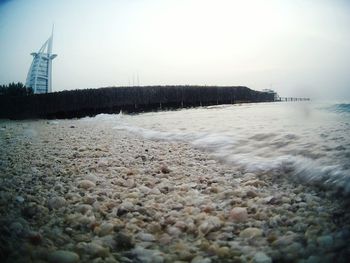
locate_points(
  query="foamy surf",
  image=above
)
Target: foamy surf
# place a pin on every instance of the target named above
(304, 165)
(312, 150)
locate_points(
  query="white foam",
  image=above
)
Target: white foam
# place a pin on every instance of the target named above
(224, 148)
(104, 117)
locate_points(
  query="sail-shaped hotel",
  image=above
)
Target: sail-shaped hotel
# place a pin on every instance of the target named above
(40, 73)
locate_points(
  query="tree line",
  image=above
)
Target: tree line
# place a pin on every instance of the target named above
(15, 89)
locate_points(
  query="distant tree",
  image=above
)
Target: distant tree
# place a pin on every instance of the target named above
(15, 89)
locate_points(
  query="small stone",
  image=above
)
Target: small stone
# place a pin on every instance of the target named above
(261, 257)
(122, 211)
(86, 184)
(165, 239)
(146, 237)
(58, 188)
(284, 241)
(273, 200)
(89, 200)
(164, 169)
(271, 238)
(148, 255)
(96, 250)
(106, 229)
(256, 183)
(313, 259)
(29, 211)
(183, 252)
(222, 252)
(63, 256)
(35, 238)
(123, 241)
(130, 183)
(212, 223)
(16, 227)
(200, 259)
(239, 214)
(81, 237)
(155, 191)
(91, 177)
(286, 200)
(325, 241)
(174, 231)
(144, 189)
(56, 202)
(127, 206)
(19, 199)
(251, 232)
(251, 194)
(130, 172)
(83, 209)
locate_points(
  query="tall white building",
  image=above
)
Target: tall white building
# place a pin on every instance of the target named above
(40, 72)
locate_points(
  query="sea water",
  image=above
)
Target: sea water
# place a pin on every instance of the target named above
(308, 142)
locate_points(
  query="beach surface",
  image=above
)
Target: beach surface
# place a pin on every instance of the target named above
(81, 191)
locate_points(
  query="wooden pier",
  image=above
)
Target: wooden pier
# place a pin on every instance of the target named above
(292, 99)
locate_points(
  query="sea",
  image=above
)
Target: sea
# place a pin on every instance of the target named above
(308, 142)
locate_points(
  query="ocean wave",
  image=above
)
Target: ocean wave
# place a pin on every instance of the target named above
(104, 117)
(340, 108)
(226, 149)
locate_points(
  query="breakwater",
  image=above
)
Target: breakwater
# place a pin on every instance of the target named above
(89, 102)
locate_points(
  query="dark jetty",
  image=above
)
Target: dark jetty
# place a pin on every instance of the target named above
(89, 102)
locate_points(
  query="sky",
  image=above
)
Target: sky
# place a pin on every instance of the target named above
(299, 48)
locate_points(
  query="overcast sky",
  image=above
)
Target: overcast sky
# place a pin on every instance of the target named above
(297, 47)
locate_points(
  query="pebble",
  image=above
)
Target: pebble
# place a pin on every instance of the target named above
(325, 241)
(148, 255)
(86, 184)
(146, 237)
(239, 214)
(165, 239)
(200, 259)
(34, 237)
(285, 240)
(19, 199)
(177, 229)
(95, 249)
(91, 177)
(251, 232)
(56, 202)
(123, 241)
(164, 169)
(261, 257)
(16, 227)
(155, 191)
(63, 256)
(212, 223)
(105, 229)
(256, 183)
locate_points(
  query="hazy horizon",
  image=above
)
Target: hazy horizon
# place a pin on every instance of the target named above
(298, 48)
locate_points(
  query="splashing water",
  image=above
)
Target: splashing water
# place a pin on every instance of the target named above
(307, 141)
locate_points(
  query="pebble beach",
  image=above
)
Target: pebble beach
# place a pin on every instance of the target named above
(81, 191)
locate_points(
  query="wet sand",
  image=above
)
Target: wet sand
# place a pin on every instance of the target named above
(81, 191)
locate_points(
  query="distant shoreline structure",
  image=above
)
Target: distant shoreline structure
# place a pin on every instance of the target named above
(90, 102)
